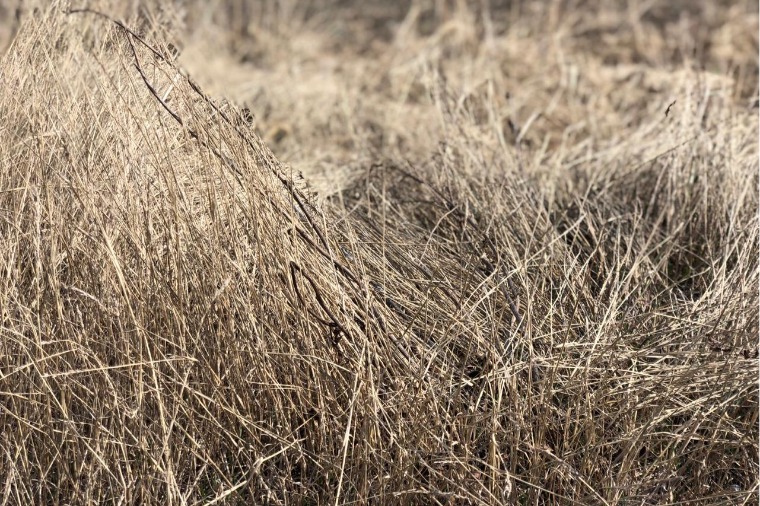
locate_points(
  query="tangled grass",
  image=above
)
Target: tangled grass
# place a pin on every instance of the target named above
(407, 253)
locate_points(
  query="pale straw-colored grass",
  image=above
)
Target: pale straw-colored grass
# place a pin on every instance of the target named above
(454, 255)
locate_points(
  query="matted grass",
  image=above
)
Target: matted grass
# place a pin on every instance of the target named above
(410, 253)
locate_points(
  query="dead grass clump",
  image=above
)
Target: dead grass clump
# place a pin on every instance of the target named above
(530, 274)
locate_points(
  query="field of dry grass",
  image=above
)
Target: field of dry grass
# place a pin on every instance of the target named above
(414, 252)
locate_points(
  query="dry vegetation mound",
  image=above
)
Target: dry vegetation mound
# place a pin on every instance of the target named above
(422, 252)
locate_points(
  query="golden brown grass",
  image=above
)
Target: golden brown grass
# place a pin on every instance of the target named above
(452, 253)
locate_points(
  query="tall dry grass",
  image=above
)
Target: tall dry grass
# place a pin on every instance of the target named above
(499, 253)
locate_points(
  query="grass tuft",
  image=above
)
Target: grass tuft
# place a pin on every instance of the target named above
(398, 253)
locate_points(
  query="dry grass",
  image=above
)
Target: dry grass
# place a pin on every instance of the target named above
(500, 253)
